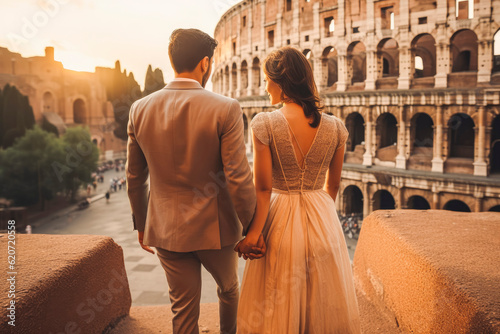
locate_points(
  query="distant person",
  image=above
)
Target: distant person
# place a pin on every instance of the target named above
(191, 142)
(107, 196)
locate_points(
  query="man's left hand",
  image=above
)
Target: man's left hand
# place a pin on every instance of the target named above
(141, 237)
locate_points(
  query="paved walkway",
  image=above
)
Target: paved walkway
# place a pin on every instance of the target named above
(148, 284)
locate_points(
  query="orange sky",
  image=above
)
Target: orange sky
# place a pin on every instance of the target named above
(89, 33)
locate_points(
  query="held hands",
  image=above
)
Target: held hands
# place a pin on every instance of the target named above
(251, 247)
(141, 237)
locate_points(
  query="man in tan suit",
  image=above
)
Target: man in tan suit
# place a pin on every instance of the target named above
(200, 196)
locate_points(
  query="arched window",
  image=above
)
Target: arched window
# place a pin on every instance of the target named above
(463, 46)
(424, 56)
(356, 62)
(79, 112)
(461, 136)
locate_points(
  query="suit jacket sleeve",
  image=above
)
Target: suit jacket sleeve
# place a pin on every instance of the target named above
(137, 177)
(236, 167)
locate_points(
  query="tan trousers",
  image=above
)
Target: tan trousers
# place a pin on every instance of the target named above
(183, 271)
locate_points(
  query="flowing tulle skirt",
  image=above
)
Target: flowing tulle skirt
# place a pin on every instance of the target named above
(304, 283)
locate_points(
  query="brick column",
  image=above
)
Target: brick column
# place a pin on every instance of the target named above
(368, 155)
(437, 160)
(401, 157)
(366, 199)
(480, 165)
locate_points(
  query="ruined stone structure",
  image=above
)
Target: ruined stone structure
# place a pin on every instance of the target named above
(78, 98)
(417, 84)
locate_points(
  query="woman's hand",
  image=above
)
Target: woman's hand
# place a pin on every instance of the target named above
(251, 247)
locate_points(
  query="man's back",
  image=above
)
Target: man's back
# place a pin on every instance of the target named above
(186, 137)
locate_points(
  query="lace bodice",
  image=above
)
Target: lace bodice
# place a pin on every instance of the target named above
(271, 128)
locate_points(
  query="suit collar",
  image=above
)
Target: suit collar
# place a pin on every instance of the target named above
(183, 85)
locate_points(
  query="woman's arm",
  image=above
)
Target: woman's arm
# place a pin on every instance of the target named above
(262, 172)
(332, 182)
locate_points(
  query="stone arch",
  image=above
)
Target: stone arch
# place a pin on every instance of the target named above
(421, 141)
(456, 205)
(386, 137)
(418, 203)
(256, 75)
(226, 80)
(356, 62)
(245, 128)
(79, 111)
(49, 102)
(383, 200)
(221, 81)
(424, 46)
(352, 198)
(244, 75)
(309, 56)
(234, 78)
(388, 58)
(421, 132)
(463, 49)
(495, 208)
(329, 63)
(496, 52)
(495, 146)
(355, 124)
(461, 136)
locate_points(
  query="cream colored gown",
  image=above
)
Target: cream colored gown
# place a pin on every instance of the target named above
(304, 283)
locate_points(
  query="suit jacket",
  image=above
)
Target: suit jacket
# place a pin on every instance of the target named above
(189, 142)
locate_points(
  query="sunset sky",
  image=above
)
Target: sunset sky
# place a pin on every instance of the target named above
(89, 33)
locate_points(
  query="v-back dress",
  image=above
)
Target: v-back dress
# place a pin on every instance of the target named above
(304, 284)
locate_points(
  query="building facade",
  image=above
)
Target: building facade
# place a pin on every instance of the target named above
(56, 93)
(417, 84)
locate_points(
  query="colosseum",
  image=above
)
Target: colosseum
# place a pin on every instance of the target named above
(416, 83)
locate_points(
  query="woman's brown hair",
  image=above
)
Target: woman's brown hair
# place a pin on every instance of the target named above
(291, 71)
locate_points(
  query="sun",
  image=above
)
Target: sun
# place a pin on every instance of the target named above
(76, 61)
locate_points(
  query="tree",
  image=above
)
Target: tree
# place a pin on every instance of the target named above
(81, 156)
(26, 172)
(154, 81)
(16, 115)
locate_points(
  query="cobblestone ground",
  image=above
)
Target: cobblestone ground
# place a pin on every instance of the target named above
(148, 284)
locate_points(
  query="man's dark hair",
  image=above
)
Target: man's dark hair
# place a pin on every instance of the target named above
(188, 47)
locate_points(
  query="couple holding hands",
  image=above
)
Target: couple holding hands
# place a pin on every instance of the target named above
(201, 197)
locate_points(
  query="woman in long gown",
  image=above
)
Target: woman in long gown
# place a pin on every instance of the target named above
(304, 282)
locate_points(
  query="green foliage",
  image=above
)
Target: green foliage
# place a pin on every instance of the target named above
(39, 165)
(49, 127)
(81, 159)
(16, 115)
(26, 172)
(122, 90)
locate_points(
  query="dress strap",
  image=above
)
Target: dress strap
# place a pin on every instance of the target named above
(277, 153)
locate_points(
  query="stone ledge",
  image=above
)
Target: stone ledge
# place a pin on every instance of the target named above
(158, 319)
(65, 283)
(432, 271)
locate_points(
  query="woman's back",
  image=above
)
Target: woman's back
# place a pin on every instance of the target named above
(301, 154)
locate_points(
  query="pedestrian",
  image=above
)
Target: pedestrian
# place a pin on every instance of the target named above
(107, 196)
(89, 189)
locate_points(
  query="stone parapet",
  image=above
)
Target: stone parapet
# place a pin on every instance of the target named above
(432, 271)
(65, 284)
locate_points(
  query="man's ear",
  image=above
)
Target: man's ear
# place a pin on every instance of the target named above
(205, 63)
